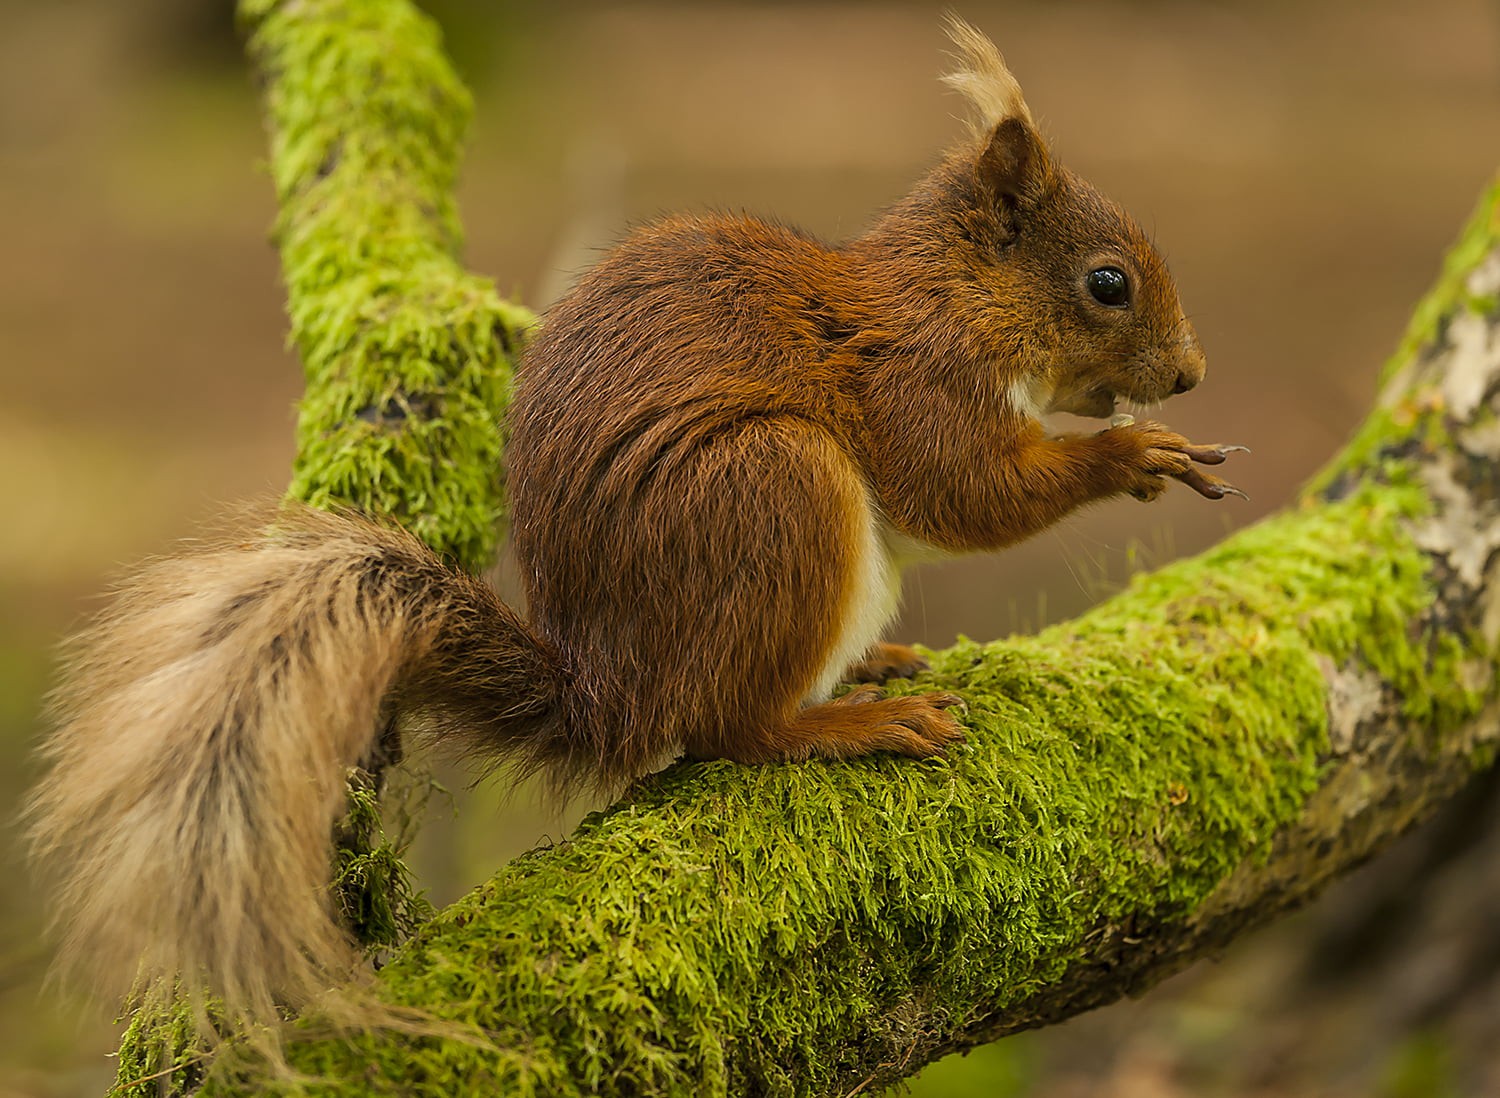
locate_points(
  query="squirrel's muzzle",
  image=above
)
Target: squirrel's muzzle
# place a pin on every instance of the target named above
(1191, 363)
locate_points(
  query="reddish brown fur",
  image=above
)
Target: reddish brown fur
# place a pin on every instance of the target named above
(725, 442)
(887, 661)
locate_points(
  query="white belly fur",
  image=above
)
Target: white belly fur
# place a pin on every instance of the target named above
(874, 598)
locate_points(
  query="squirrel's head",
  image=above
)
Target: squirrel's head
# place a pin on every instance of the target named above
(1082, 301)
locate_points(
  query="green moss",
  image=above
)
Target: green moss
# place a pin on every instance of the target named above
(160, 1053)
(372, 884)
(782, 929)
(408, 357)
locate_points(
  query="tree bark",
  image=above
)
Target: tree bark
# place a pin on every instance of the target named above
(1139, 786)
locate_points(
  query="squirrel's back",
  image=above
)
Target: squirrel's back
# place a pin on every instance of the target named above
(691, 329)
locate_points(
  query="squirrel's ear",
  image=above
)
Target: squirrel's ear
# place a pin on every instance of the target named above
(1014, 165)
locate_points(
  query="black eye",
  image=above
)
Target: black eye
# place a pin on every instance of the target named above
(1108, 285)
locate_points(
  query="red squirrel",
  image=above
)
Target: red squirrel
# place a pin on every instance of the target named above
(727, 441)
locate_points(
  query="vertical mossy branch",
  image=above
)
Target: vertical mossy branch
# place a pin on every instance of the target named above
(408, 357)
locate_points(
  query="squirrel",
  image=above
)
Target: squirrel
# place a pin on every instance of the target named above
(726, 443)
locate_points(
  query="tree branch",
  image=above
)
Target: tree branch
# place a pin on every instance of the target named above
(1139, 786)
(408, 357)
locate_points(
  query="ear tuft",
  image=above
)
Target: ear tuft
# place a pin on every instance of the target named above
(983, 78)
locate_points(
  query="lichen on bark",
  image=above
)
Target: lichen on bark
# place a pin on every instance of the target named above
(1138, 786)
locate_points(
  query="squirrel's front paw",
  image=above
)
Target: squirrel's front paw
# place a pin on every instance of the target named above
(1156, 453)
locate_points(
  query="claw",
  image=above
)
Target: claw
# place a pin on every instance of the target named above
(860, 695)
(1208, 487)
(1213, 455)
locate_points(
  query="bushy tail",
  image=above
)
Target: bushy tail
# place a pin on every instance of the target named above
(203, 730)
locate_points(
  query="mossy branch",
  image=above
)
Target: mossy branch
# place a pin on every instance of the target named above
(1195, 756)
(408, 356)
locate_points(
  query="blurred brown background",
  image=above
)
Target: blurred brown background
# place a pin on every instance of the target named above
(1302, 164)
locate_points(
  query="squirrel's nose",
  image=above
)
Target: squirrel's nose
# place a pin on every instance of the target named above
(1192, 364)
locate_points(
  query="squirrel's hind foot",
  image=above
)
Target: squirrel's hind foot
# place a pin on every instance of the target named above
(887, 661)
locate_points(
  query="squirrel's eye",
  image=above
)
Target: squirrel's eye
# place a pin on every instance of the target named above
(1108, 285)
